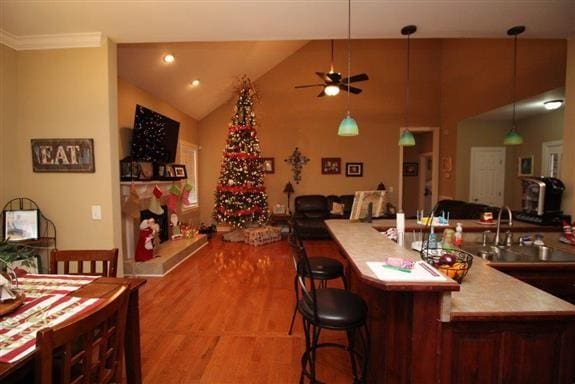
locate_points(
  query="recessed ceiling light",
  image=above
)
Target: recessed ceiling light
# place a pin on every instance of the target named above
(195, 83)
(168, 58)
(553, 104)
(331, 90)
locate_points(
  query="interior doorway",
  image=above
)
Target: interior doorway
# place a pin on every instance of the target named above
(487, 175)
(419, 172)
(551, 154)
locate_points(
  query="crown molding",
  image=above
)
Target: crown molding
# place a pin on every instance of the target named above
(35, 42)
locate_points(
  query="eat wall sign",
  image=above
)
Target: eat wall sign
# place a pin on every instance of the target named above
(63, 155)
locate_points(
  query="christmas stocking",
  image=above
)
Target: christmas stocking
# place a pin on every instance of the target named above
(186, 194)
(155, 206)
(173, 197)
(131, 206)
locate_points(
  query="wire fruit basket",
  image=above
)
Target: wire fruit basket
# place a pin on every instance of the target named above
(453, 263)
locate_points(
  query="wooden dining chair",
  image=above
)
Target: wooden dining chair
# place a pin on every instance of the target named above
(89, 349)
(86, 261)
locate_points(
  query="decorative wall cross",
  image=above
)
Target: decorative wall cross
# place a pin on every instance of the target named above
(297, 161)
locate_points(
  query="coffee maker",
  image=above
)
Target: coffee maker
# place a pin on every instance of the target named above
(541, 201)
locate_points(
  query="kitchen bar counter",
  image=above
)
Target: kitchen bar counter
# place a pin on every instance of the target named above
(468, 226)
(492, 327)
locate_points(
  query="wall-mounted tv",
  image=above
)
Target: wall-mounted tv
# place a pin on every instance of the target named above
(155, 137)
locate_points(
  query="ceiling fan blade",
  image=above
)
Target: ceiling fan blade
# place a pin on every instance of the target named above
(309, 85)
(321, 94)
(322, 76)
(353, 90)
(355, 78)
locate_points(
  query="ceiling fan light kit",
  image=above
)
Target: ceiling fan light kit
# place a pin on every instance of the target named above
(553, 104)
(331, 90)
(513, 137)
(406, 139)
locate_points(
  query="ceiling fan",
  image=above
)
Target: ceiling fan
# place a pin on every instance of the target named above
(333, 82)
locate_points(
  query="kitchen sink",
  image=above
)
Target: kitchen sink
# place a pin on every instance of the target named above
(518, 254)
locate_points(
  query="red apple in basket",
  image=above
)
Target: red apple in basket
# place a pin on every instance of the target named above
(447, 259)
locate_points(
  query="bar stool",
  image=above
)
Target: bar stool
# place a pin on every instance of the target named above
(335, 309)
(323, 269)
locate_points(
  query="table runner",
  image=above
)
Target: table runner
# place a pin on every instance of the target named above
(48, 303)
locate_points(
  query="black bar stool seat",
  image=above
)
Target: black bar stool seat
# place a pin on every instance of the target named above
(324, 268)
(336, 309)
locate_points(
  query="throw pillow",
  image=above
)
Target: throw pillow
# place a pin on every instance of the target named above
(336, 209)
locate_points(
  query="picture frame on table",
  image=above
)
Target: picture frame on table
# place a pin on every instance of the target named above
(525, 166)
(353, 169)
(269, 165)
(180, 171)
(410, 169)
(21, 224)
(146, 170)
(330, 165)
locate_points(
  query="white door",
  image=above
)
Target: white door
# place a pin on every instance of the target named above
(425, 181)
(487, 175)
(551, 153)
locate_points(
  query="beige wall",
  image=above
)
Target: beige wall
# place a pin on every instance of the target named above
(290, 118)
(568, 172)
(477, 77)
(69, 93)
(8, 120)
(535, 130)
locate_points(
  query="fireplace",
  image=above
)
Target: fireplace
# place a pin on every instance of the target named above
(162, 221)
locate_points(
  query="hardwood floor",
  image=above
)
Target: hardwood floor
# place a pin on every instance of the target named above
(222, 317)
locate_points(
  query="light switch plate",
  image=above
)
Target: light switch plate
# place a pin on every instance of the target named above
(96, 212)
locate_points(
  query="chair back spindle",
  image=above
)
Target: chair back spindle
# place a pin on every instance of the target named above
(85, 262)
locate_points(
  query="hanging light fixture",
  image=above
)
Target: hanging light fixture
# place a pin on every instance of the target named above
(513, 137)
(406, 139)
(348, 126)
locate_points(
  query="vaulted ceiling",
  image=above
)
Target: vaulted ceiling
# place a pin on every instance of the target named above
(263, 32)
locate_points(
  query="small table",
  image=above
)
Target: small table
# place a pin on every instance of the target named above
(280, 219)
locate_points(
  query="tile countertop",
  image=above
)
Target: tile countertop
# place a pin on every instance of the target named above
(484, 294)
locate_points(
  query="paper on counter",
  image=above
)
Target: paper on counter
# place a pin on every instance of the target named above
(418, 273)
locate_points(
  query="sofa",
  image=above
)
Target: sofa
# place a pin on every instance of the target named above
(311, 210)
(462, 210)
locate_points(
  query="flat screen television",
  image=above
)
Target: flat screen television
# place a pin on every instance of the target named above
(155, 137)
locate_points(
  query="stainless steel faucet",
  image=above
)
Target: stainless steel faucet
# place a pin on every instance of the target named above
(509, 239)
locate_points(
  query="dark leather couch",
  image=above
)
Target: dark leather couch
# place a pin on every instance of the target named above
(311, 211)
(462, 210)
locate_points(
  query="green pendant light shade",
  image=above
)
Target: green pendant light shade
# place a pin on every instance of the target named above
(406, 139)
(513, 137)
(348, 126)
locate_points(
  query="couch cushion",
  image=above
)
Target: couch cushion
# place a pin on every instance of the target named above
(307, 203)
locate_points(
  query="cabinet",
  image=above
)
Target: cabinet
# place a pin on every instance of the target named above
(558, 280)
(45, 240)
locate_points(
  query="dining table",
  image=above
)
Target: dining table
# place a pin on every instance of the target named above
(52, 299)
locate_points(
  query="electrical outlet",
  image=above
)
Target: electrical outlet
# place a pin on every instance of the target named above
(96, 212)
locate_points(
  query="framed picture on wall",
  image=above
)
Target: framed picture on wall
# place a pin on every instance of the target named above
(410, 169)
(354, 169)
(269, 164)
(330, 165)
(525, 166)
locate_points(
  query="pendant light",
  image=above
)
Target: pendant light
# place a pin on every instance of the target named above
(513, 137)
(407, 139)
(348, 126)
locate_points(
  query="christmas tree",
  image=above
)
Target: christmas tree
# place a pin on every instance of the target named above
(241, 197)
